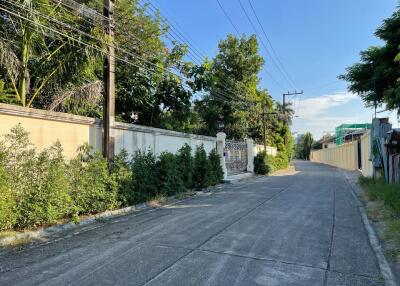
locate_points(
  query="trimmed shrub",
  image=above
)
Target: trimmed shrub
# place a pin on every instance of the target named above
(169, 178)
(121, 179)
(90, 182)
(201, 178)
(145, 180)
(261, 166)
(185, 163)
(217, 173)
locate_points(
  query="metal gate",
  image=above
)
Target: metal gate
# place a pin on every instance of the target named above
(235, 156)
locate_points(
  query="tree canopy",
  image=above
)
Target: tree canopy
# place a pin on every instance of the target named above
(51, 57)
(377, 76)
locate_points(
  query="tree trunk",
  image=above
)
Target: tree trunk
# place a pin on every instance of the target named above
(24, 74)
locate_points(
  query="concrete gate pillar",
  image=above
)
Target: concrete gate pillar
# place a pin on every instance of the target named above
(221, 136)
(250, 155)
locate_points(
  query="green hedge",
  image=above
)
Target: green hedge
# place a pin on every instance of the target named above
(264, 163)
(39, 188)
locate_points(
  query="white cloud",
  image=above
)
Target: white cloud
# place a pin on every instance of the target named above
(312, 108)
(319, 114)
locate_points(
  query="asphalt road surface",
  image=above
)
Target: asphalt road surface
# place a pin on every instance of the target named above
(302, 228)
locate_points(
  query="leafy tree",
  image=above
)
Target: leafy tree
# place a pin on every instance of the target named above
(377, 76)
(304, 146)
(231, 79)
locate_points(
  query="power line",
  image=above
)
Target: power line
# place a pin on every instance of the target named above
(269, 42)
(229, 18)
(219, 94)
(263, 44)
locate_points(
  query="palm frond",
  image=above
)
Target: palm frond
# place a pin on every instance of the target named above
(9, 60)
(88, 92)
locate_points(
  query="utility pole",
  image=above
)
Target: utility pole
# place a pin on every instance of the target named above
(284, 107)
(284, 100)
(264, 135)
(109, 82)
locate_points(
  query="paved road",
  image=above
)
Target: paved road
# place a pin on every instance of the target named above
(298, 229)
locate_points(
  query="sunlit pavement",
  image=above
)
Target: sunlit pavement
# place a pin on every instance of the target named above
(302, 228)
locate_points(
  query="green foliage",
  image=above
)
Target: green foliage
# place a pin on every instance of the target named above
(304, 146)
(279, 162)
(145, 178)
(39, 188)
(185, 163)
(377, 189)
(216, 171)
(122, 179)
(261, 166)
(234, 72)
(377, 76)
(90, 181)
(47, 199)
(169, 178)
(8, 216)
(201, 177)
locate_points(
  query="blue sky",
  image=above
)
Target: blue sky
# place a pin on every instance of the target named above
(314, 39)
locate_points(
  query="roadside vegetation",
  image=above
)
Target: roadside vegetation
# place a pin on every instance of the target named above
(304, 146)
(265, 164)
(41, 188)
(384, 208)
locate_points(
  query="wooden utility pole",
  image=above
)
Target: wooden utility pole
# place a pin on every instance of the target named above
(109, 82)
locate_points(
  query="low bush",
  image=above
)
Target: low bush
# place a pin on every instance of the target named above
(260, 163)
(48, 197)
(201, 177)
(279, 162)
(121, 176)
(216, 171)
(8, 216)
(169, 178)
(90, 182)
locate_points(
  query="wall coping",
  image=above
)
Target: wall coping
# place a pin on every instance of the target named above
(15, 110)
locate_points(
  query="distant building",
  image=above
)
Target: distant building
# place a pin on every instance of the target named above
(350, 132)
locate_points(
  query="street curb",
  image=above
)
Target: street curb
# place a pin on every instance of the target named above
(45, 232)
(373, 239)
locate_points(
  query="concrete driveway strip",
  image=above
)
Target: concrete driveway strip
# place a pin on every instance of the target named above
(302, 228)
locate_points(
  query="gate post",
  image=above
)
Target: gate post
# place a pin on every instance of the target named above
(250, 155)
(221, 136)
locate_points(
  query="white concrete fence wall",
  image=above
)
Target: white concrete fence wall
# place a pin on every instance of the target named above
(270, 150)
(46, 127)
(346, 156)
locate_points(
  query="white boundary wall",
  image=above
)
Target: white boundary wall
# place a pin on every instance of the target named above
(46, 127)
(270, 150)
